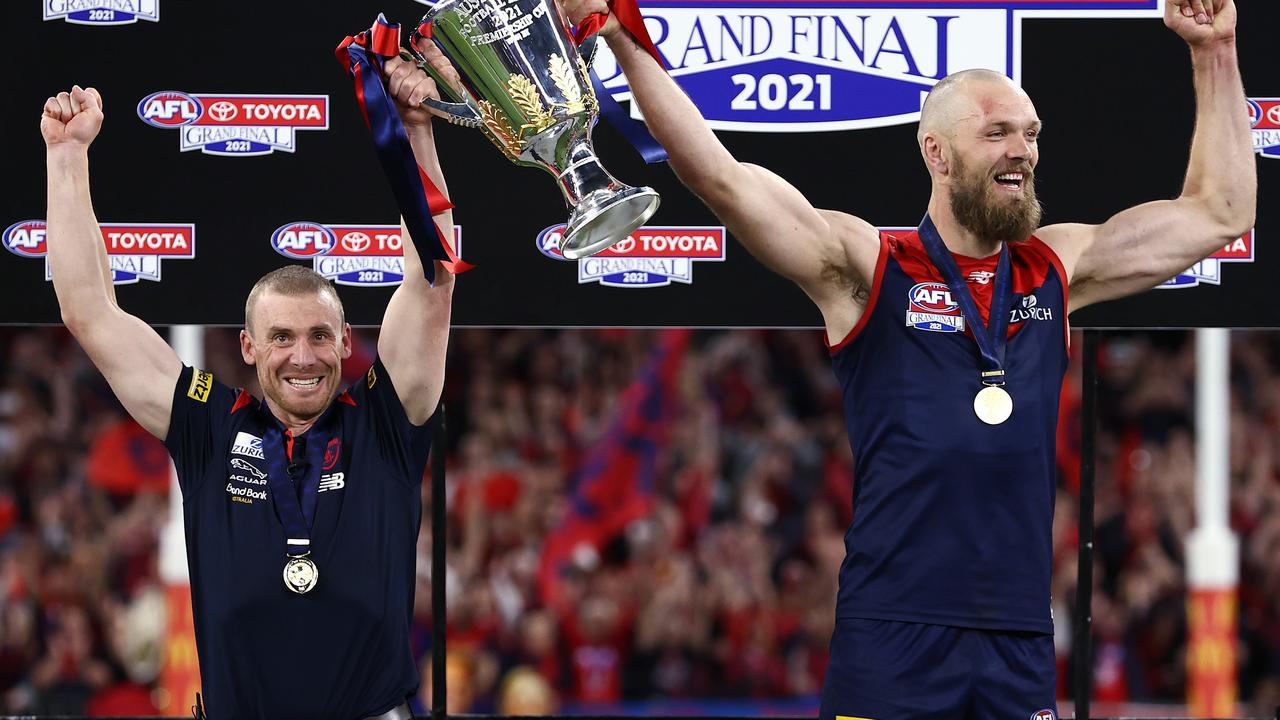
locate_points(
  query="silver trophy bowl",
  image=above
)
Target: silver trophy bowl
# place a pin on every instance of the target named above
(526, 87)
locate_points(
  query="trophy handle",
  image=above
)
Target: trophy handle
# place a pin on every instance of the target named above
(463, 113)
(458, 113)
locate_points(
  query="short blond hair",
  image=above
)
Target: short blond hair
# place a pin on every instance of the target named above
(292, 281)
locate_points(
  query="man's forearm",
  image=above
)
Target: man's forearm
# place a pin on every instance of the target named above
(77, 257)
(415, 327)
(696, 154)
(1221, 171)
(422, 140)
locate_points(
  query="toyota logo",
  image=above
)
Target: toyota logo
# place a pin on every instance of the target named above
(356, 242)
(222, 111)
(625, 245)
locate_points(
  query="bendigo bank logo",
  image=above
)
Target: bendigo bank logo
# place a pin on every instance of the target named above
(648, 257)
(1209, 270)
(101, 12)
(358, 255)
(134, 250)
(236, 125)
(804, 65)
(1264, 119)
(931, 307)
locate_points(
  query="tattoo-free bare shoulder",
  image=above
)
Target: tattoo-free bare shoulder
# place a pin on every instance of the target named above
(1068, 241)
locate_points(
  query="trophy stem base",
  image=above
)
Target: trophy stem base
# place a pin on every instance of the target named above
(602, 219)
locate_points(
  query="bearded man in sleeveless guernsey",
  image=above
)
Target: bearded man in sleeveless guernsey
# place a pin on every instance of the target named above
(950, 342)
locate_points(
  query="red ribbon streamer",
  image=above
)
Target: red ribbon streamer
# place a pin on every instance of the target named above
(628, 14)
(380, 42)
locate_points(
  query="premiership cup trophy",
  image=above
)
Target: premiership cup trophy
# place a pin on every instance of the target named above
(527, 88)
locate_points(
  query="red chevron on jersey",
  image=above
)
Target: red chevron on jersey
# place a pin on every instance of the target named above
(1032, 260)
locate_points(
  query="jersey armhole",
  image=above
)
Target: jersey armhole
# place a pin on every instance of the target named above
(874, 295)
(1048, 252)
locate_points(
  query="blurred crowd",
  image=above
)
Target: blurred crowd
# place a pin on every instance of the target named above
(721, 582)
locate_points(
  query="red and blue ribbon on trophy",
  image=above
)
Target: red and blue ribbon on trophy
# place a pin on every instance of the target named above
(628, 14)
(363, 57)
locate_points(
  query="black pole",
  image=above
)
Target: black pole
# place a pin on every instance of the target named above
(438, 571)
(1084, 567)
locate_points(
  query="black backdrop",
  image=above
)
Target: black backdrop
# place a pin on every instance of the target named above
(1115, 95)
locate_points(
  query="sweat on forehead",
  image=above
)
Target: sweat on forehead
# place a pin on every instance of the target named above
(948, 101)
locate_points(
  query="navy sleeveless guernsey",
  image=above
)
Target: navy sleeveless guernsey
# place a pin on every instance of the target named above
(952, 517)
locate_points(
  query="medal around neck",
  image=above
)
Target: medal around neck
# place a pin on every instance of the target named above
(993, 405)
(301, 575)
(297, 514)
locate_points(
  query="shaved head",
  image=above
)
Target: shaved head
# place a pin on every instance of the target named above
(978, 134)
(948, 102)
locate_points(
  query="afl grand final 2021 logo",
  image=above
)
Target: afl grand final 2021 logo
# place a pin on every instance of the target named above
(806, 65)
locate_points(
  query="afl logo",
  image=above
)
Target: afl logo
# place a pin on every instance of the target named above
(549, 242)
(302, 240)
(1044, 715)
(932, 297)
(170, 108)
(1255, 113)
(356, 242)
(26, 238)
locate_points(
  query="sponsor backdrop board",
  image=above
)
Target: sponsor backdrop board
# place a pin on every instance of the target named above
(233, 144)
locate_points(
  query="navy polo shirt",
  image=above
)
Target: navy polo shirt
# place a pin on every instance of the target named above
(342, 650)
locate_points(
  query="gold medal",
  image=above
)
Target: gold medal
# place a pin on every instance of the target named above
(300, 574)
(993, 405)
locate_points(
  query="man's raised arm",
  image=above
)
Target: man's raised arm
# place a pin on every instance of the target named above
(135, 360)
(1141, 247)
(415, 328)
(830, 255)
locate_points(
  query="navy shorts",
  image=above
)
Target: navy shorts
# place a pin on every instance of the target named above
(886, 670)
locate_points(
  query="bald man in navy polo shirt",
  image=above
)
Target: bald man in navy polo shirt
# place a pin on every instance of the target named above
(302, 509)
